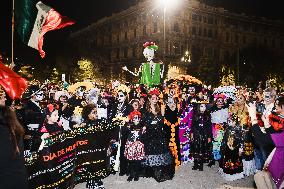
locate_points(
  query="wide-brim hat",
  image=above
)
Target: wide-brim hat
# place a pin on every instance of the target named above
(87, 84)
(31, 91)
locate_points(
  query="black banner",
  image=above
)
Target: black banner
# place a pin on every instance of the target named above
(71, 157)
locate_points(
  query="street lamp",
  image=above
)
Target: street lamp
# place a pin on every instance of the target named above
(186, 57)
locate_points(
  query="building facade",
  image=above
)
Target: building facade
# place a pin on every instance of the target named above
(191, 26)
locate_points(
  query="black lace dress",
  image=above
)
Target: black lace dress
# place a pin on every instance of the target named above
(158, 162)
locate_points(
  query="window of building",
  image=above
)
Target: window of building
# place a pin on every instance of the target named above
(200, 31)
(273, 43)
(205, 32)
(210, 33)
(227, 36)
(117, 38)
(210, 20)
(215, 34)
(176, 49)
(255, 41)
(236, 38)
(144, 30)
(155, 27)
(125, 52)
(265, 41)
(281, 44)
(193, 30)
(200, 18)
(134, 54)
(194, 17)
(134, 33)
(117, 53)
(125, 35)
(204, 19)
(176, 27)
(244, 40)
(110, 39)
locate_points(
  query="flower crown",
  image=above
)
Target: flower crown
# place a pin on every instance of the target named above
(123, 88)
(216, 96)
(154, 92)
(51, 108)
(134, 113)
(150, 45)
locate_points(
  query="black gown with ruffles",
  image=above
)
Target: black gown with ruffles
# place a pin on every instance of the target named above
(159, 162)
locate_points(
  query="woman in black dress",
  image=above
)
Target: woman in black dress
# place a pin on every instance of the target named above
(158, 162)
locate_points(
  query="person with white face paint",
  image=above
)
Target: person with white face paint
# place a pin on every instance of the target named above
(122, 109)
(201, 136)
(134, 148)
(34, 118)
(151, 72)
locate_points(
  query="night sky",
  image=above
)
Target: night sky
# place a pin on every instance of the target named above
(87, 11)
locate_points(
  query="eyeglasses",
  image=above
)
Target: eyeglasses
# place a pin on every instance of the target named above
(120, 95)
(40, 94)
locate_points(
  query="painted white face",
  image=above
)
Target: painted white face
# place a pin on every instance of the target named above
(53, 118)
(136, 120)
(121, 97)
(202, 107)
(267, 98)
(80, 92)
(149, 54)
(191, 90)
(39, 96)
(172, 92)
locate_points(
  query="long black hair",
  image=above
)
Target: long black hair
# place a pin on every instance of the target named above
(9, 120)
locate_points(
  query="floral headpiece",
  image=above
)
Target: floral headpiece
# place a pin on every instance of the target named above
(216, 96)
(150, 45)
(88, 85)
(134, 113)
(123, 88)
(51, 108)
(154, 91)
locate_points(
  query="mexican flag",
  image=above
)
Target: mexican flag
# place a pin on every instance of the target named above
(33, 19)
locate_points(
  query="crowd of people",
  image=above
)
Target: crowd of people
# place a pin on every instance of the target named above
(164, 127)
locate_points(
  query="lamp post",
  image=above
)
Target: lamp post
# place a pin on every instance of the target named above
(164, 3)
(186, 57)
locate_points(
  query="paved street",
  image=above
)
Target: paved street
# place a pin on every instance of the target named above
(185, 179)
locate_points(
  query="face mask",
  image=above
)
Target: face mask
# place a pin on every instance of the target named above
(136, 120)
(80, 92)
(121, 97)
(202, 108)
(39, 97)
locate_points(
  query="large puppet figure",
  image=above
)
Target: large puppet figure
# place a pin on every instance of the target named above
(151, 72)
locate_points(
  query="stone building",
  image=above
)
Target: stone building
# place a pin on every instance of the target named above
(202, 30)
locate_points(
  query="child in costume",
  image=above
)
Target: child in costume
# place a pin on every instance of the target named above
(50, 124)
(134, 148)
(219, 117)
(231, 166)
(201, 136)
